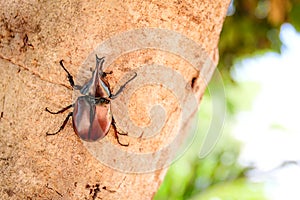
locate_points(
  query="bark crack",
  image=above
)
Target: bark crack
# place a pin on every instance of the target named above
(32, 72)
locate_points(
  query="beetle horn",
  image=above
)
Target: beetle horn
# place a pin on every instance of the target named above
(90, 88)
(99, 61)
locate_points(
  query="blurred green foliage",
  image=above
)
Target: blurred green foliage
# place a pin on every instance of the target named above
(237, 189)
(251, 27)
(219, 173)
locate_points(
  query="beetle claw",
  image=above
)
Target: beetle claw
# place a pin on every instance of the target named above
(47, 134)
(49, 111)
(122, 133)
(118, 139)
(125, 145)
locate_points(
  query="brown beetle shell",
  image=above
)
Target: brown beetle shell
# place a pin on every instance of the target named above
(91, 121)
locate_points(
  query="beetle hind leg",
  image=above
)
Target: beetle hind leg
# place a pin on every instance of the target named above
(113, 123)
(62, 126)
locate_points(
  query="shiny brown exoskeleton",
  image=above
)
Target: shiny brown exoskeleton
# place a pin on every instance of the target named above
(92, 115)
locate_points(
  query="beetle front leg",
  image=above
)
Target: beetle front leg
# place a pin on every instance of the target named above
(113, 96)
(63, 125)
(70, 77)
(104, 74)
(113, 123)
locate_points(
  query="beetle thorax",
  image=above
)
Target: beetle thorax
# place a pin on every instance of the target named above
(102, 90)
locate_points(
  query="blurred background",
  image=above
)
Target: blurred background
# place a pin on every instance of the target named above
(257, 156)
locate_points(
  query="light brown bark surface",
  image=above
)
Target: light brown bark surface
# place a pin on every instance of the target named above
(34, 37)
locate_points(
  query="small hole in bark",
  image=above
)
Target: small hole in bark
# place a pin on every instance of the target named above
(193, 82)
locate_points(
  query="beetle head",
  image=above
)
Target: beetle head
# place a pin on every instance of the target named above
(95, 86)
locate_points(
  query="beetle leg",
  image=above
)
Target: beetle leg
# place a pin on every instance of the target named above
(113, 96)
(104, 74)
(70, 77)
(63, 125)
(60, 111)
(113, 123)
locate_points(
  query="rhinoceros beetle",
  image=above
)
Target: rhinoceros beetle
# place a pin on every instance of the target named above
(92, 117)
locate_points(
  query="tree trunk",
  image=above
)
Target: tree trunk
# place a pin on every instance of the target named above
(36, 35)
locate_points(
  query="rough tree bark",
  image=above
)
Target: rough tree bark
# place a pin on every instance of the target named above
(34, 37)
